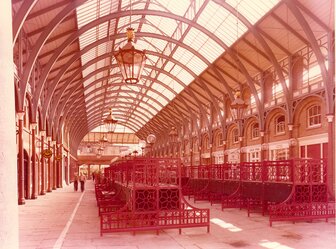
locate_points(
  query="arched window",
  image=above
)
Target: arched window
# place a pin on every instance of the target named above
(280, 125)
(206, 144)
(255, 131)
(220, 139)
(314, 116)
(235, 135)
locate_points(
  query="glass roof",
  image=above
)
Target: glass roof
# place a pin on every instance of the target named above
(177, 51)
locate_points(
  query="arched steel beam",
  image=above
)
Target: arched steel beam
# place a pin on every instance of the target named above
(42, 39)
(95, 44)
(21, 16)
(93, 83)
(100, 20)
(292, 5)
(272, 59)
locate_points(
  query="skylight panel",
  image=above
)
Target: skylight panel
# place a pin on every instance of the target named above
(102, 30)
(222, 23)
(185, 77)
(175, 86)
(169, 66)
(166, 25)
(144, 118)
(168, 94)
(156, 107)
(105, 7)
(197, 65)
(190, 60)
(87, 57)
(100, 64)
(148, 107)
(87, 38)
(177, 7)
(159, 98)
(163, 77)
(86, 12)
(253, 10)
(202, 43)
(88, 70)
(156, 5)
(182, 55)
(177, 70)
(125, 21)
(149, 28)
(157, 44)
(157, 87)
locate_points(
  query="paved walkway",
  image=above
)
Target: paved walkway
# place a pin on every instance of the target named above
(69, 220)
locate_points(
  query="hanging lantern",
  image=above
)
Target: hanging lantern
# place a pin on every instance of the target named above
(238, 107)
(103, 140)
(173, 135)
(131, 60)
(110, 123)
(99, 152)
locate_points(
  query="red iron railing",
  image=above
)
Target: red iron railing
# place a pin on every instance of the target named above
(151, 190)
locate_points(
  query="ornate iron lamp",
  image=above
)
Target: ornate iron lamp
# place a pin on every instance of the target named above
(100, 152)
(110, 123)
(103, 140)
(238, 107)
(173, 135)
(131, 60)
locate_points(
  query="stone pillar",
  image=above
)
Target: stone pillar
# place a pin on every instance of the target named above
(9, 228)
(34, 168)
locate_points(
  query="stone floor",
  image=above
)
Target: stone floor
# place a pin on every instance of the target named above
(69, 220)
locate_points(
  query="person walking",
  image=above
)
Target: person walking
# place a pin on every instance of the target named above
(76, 182)
(82, 180)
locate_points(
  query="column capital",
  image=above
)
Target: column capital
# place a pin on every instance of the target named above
(43, 133)
(262, 133)
(20, 115)
(33, 126)
(290, 127)
(330, 118)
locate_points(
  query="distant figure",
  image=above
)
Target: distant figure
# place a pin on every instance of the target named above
(93, 176)
(82, 180)
(76, 182)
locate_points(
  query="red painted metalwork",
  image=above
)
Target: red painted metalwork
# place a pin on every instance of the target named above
(151, 189)
(295, 189)
(310, 198)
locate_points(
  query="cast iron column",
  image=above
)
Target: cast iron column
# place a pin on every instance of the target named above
(49, 166)
(20, 163)
(54, 165)
(43, 172)
(34, 190)
(331, 153)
